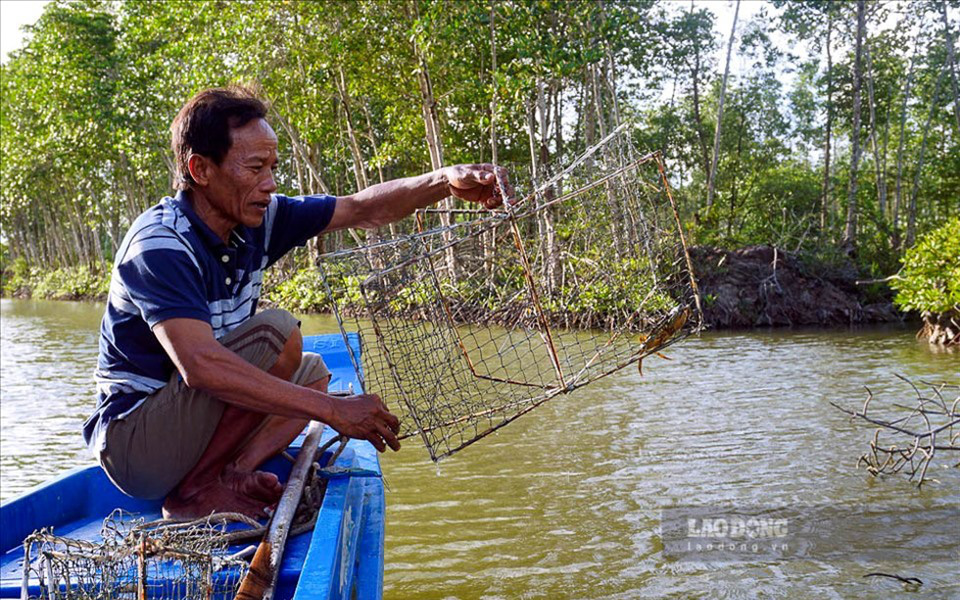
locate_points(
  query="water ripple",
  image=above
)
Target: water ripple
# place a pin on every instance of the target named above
(565, 503)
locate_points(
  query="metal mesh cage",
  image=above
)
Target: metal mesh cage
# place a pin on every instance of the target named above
(481, 316)
(134, 560)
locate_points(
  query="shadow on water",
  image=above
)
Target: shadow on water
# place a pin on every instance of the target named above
(566, 502)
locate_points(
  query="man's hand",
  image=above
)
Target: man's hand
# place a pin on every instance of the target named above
(365, 417)
(484, 184)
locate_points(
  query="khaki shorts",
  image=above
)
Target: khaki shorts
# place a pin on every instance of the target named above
(149, 451)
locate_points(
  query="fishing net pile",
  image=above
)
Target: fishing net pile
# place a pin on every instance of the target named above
(479, 317)
(134, 559)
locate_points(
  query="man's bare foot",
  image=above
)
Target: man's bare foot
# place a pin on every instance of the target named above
(211, 498)
(259, 485)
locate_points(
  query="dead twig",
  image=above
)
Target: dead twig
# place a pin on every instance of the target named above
(920, 430)
(909, 580)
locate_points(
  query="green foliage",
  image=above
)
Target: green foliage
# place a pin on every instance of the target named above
(16, 277)
(72, 283)
(930, 279)
(87, 103)
(418, 293)
(622, 290)
(303, 292)
(66, 283)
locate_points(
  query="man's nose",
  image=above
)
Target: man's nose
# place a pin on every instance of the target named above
(269, 184)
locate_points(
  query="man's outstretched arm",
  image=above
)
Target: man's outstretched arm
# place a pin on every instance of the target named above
(391, 201)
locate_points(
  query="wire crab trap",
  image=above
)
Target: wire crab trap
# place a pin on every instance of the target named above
(131, 558)
(134, 560)
(482, 316)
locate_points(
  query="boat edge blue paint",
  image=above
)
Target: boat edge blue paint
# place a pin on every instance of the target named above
(355, 566)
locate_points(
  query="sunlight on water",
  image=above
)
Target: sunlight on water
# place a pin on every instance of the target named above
(48, 351)
(565, 503)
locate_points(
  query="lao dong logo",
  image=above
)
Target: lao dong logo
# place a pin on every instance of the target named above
(736, 528)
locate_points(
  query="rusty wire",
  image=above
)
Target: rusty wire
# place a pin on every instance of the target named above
(133, 559)
(474, 319)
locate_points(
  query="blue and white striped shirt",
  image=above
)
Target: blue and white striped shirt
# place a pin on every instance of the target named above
(172, 265)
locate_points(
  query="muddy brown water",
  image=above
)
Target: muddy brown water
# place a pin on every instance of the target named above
(567, 502)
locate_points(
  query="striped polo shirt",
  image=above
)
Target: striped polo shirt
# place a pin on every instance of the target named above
(172, 265)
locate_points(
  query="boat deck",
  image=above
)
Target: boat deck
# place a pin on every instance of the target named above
(341, 558)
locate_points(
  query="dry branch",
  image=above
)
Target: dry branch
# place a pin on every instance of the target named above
(931, 425)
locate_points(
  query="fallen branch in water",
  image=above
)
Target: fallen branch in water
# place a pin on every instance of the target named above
(931, 425)
(908, 580)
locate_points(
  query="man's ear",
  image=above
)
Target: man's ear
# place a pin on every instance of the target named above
(199, 167)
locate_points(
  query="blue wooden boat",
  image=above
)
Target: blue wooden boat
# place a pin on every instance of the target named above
(341, 558)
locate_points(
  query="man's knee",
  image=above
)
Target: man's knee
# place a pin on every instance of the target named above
(313, 373)
(321, 384)
(290, 357)
(270, 340)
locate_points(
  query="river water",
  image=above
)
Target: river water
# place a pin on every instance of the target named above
(568, 501)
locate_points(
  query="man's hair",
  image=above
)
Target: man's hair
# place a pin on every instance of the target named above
(203, 126)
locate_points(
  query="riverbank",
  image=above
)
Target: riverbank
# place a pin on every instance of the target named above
(756, 286)
(762, 286)
(67, 283)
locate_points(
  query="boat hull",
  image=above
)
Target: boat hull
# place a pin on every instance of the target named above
(342, 557)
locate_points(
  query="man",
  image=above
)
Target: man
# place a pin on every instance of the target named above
(196, 389)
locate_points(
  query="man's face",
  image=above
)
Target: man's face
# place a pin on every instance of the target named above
(239, 188)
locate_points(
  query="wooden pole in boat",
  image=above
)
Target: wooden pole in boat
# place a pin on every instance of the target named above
(25, 578)
(261, 579)
(142, 567)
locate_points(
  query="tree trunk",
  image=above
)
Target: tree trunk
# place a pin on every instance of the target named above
(493, 80)
(298, 169)
(428, 108)
(489, 238)
(736, 175)
(895, 217)
(874, 143)
(664, 130)
(81, 253)
(359, 172)
(698, 121)
(951, 62)
(850, 228)
(548, 236)
(712, 178)
(21, 248)
(598, 101)
(825, 199)
(27, 247)
(912, 209)
(610, 77)
(531, 138)
(884, 155)
(558, 131)
(431, 122)
(300, 150)
(372, 136)
(589, 126)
